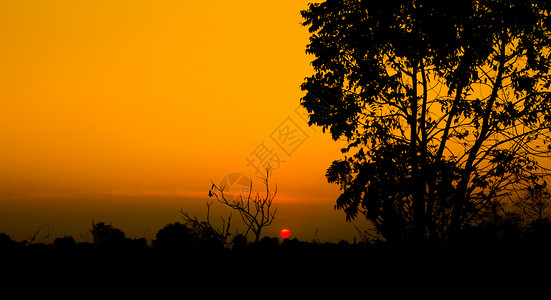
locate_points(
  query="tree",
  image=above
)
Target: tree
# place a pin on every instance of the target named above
(204, 234)
(107, 235)
(174, 236)
(536, 203)
(444, 106)
(255, 211)
(535, 206)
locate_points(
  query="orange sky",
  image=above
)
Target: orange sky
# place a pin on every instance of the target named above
(144, 103)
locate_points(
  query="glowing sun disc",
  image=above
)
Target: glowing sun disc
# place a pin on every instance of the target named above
(285, 233)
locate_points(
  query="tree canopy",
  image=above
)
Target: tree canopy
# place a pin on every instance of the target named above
(444, 105)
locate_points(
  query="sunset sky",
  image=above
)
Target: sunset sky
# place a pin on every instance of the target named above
(126, 111)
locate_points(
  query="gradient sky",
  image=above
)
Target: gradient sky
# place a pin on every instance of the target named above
(123, 111)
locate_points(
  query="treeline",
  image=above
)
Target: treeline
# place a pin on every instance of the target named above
(507, 229)
(191, 254)
(172, 237)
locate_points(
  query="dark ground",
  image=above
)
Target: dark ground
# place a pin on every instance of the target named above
(286, 269)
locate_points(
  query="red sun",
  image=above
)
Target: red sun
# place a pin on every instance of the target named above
(285, 233)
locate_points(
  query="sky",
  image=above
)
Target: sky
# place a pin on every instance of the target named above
(127, 111)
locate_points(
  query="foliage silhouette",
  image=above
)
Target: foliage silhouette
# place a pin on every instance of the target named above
(174, 236)
(6, 242)
(445, 107)
(65, 242)
(105, 235)
(239, 241)
(505, 234)
(535, 204)
(204, 234)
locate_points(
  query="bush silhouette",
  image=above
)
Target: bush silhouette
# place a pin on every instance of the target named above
(64, 242)
(192, 236)
(7, 243)
(174, 236)
(105, 235)
(207, 237)
(239, 241)
(267, 243)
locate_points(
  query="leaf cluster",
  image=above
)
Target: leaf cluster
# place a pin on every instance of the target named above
(444, 104)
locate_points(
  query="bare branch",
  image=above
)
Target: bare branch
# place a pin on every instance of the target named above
(255, 211)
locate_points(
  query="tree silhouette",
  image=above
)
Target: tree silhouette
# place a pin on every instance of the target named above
(205, 235)
(445, 105)
(239, 241)
(535, 207)
(174, 236)
(106, 234)
(255, 211)
(536, 203)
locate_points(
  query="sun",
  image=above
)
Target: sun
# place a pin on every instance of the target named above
(285, 233)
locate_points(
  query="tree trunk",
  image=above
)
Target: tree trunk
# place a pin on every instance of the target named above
(418, 184)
